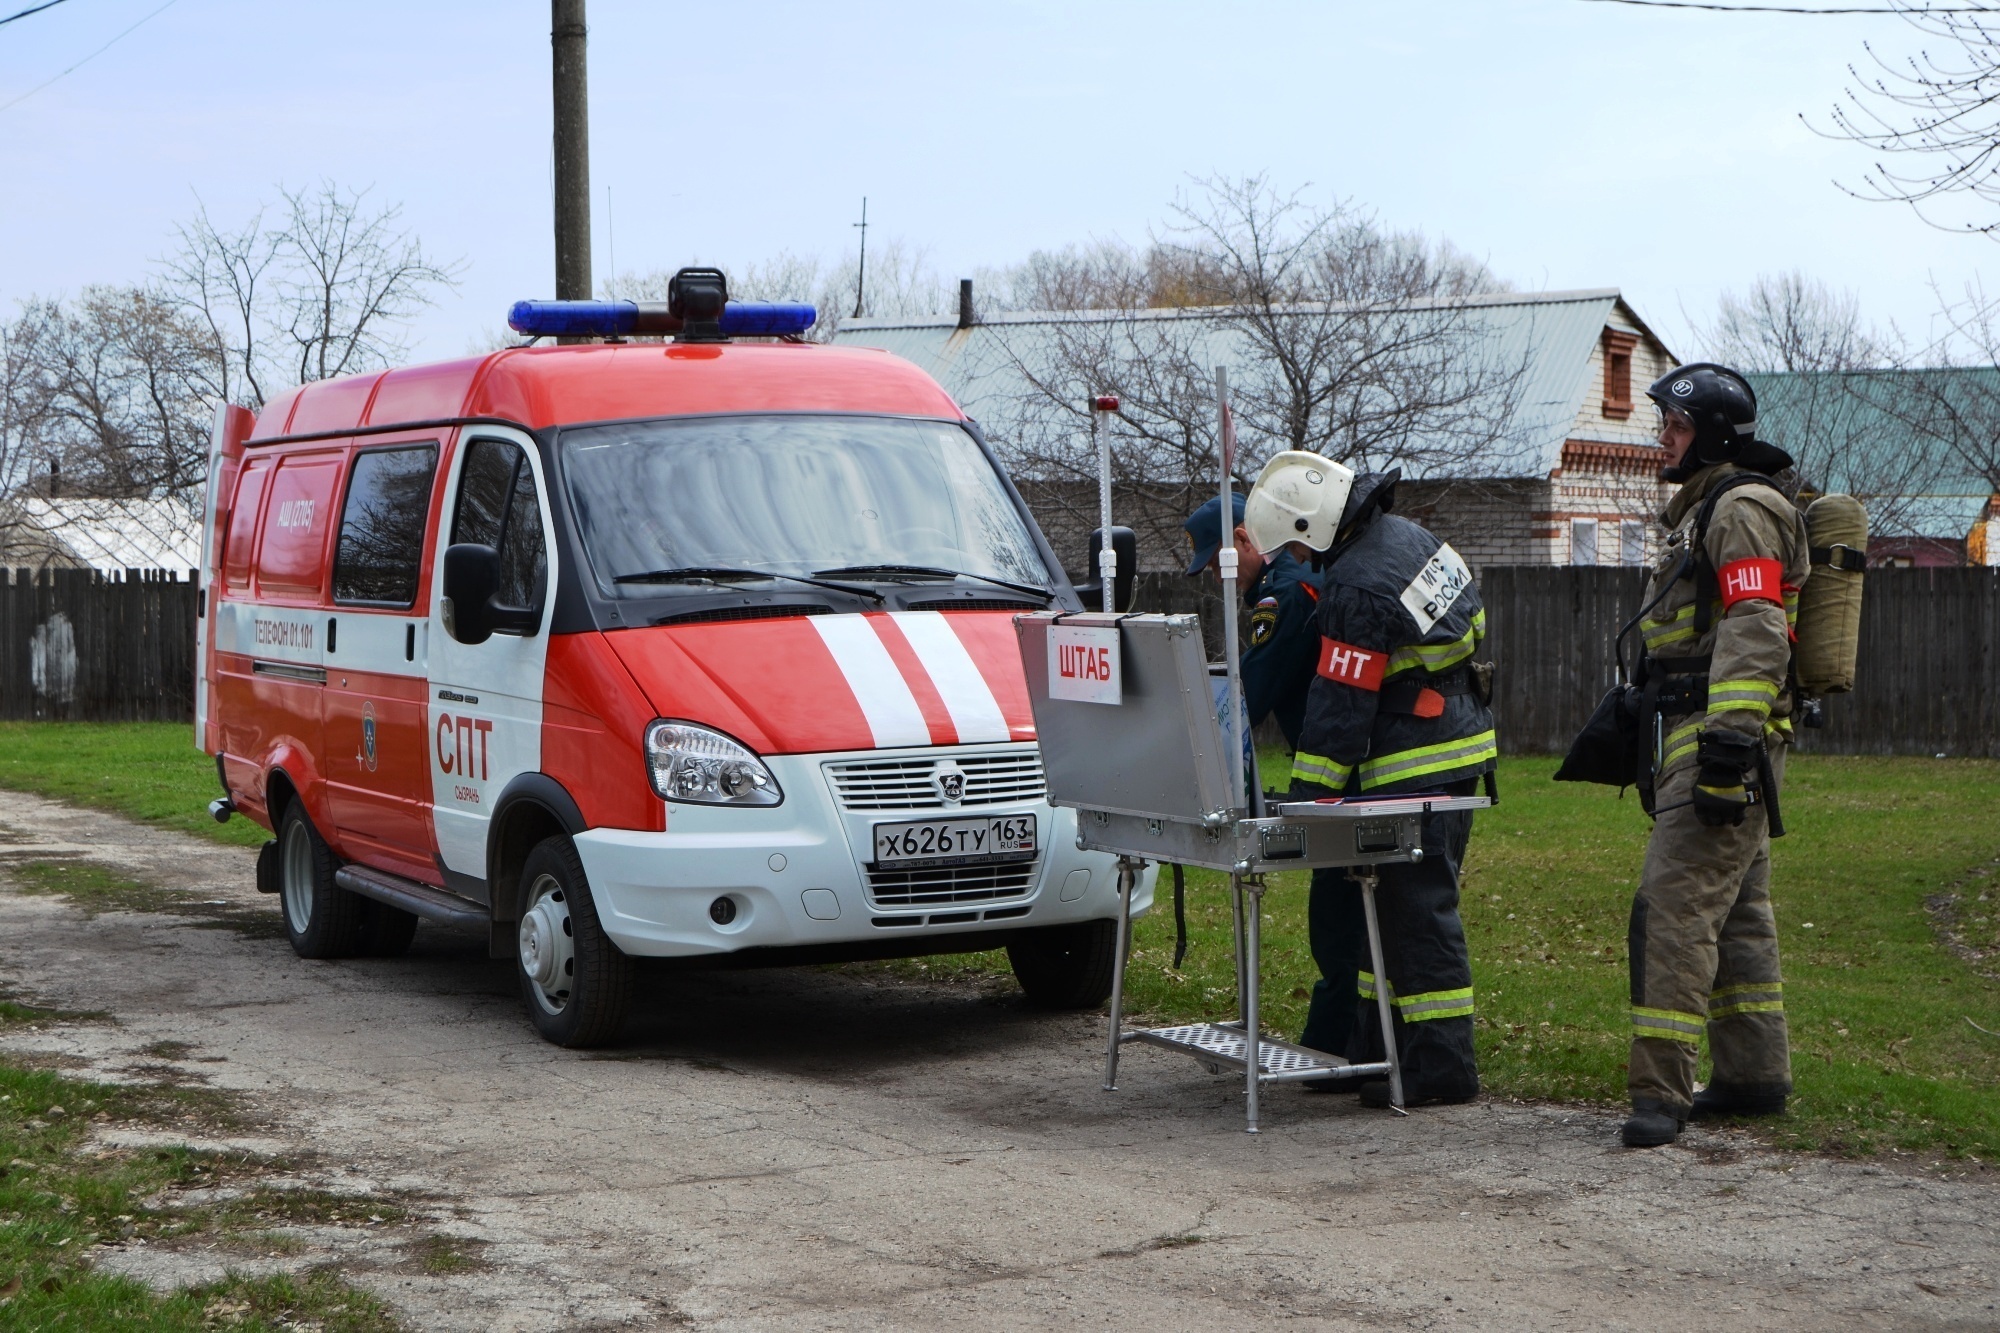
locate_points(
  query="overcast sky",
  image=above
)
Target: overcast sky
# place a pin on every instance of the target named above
(1569, 144)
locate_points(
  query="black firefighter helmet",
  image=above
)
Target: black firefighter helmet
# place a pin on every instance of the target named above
(1722, 407)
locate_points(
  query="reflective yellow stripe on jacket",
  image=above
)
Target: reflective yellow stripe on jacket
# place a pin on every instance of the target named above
(1742, 696)
(1428, 760)
(1317, 768)
(1437, 657)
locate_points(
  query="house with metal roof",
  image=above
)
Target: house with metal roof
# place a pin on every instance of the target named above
(1572, 477)
(1921, 448)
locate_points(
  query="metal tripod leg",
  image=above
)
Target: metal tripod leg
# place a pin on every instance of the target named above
(1251, 895)
(1366, 879)
(1236, 909)
(1127, 877)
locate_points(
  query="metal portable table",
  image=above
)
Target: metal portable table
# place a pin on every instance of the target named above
(1139, 752)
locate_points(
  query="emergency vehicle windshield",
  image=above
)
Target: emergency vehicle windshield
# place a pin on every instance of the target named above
(790, 495)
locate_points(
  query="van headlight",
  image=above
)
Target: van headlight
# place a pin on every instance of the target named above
(697, 764)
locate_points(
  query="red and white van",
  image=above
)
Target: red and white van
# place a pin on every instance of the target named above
(696, 650)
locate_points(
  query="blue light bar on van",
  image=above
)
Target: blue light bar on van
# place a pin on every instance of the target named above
(620, 319)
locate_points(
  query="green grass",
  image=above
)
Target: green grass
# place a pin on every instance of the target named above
(94, 889)
(1883, 1055)
(1886, 858)
(59, 1197)
(148, 770)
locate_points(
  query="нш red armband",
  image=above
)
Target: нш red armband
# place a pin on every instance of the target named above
(1751, 580)
(1350, 665)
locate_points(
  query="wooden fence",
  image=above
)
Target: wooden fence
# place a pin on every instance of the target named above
(75, 644)
(1928, 681)
(78, 645)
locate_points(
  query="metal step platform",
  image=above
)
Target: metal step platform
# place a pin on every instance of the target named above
(1221, 1045)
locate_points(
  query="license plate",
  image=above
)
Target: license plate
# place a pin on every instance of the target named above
(955, 841)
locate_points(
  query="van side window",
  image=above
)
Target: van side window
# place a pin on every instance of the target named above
(382, 526)
(497, 507)
(243, 523)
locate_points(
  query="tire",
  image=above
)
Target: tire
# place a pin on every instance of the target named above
(386, 931)
(575, 982)
(1066, 967)
(322, 919)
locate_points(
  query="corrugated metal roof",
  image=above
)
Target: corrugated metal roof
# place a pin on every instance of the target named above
(1890, 424)
(1550, 334)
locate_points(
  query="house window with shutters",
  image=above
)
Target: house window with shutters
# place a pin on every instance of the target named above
(1618, 373)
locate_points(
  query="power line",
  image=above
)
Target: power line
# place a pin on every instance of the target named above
(92, 56)
(36, 9)
(1795, 9)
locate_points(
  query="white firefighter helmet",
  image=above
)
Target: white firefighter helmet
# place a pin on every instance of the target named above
(1298, 497)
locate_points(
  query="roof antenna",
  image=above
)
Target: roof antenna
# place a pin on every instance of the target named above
(861, 277)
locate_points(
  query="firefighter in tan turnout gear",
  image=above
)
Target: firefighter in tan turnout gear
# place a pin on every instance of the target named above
(1716, 720)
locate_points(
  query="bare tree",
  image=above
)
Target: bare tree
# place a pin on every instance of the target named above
(1793, 322)
(1933, 117)
(111, 389)
(323, 291)
(1855, 408)
(1342, 338)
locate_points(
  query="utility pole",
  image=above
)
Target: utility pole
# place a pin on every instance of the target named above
(861, 278)
(570, 38)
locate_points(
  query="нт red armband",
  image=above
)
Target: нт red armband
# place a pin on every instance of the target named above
(1751, 580)
(1350, 665)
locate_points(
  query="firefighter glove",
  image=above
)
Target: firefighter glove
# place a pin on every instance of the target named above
(1722, 791)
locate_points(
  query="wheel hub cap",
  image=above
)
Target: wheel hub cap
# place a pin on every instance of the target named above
(548, 953)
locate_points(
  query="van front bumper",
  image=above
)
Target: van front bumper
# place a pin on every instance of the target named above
(724, 879)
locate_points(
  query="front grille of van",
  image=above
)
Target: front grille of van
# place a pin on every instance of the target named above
(906, 889)
(1010, 777)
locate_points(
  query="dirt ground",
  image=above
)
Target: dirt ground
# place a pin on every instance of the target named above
(810, 1149)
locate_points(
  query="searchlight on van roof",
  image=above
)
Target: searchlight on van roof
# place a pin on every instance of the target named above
(697, 309)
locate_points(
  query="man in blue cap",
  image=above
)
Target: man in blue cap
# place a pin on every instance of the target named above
(1282, 595)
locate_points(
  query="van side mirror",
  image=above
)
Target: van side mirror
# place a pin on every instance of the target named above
(471, 577)
(1125, 545)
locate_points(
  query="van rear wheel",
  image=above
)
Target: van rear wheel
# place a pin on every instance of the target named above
(1066, 967)
(322, 919)
(576, 983)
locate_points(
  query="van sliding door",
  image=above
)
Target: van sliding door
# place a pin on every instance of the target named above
(375, 764)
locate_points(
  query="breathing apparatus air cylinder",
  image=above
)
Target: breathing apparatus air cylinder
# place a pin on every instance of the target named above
(1829, 626)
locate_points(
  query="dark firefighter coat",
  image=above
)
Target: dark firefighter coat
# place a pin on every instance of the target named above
(1392, 707)
(1284, 643)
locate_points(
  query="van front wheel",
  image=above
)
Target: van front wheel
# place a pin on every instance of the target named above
(575, 982)
(1066, 967)
(322, 919)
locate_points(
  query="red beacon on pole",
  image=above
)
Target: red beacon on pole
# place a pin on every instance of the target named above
(1104, 402)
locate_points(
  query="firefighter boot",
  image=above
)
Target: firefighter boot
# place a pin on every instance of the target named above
(1723, 1099)
(1654, 1124)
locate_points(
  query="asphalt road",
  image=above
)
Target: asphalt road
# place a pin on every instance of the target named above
(813, 1149)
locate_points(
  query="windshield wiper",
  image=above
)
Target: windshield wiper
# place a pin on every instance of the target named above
(717, 572)
(928, 571)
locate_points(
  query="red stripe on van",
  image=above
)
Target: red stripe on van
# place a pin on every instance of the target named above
(996, 650)
(922, 688)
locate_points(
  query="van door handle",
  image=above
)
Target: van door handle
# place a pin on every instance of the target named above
(332, 632)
